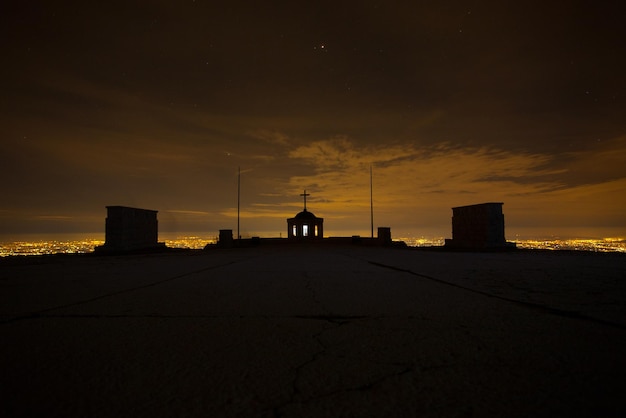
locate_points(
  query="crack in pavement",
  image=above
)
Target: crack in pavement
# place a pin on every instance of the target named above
(530, 305)
(298, 370)
(299, 397)
(308, 285)
(363, 387)
(333, 319)
(42, 312)
(336, 319)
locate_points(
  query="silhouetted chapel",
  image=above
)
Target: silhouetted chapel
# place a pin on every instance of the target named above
(305, 225)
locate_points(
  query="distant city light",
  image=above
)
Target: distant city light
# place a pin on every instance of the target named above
(44, 247)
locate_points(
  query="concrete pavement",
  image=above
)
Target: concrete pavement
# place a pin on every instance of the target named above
(297, 332)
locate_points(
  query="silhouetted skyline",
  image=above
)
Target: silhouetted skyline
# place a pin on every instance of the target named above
(451, 103)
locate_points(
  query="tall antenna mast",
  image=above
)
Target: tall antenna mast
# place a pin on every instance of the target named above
(238, 198)
(371, 202)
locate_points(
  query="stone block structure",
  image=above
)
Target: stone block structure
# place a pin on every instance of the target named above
(226, 238)
(130, 229)
(384, 235)
(478, 226)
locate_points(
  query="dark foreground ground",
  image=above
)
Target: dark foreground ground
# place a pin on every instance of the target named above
(314, 332)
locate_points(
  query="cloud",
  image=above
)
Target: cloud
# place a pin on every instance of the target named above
(189, 212)
(410, 180)
(601, 161)
(405, 169)
(270, 136)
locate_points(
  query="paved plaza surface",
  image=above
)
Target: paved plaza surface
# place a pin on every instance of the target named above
(338, 331)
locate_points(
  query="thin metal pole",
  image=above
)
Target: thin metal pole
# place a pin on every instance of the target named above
(238, 198)
(371, 202)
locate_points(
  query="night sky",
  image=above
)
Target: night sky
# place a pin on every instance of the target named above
(155, 104)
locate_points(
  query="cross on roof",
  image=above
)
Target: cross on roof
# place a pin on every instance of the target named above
(305, 194)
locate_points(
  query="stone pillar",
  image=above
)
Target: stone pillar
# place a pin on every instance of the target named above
(226, 238)
(384, 235)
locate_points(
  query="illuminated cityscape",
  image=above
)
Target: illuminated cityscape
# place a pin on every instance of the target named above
(48, 247)
(44, 247)
(595, 245)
